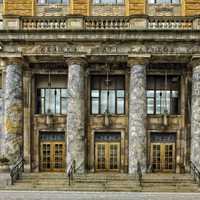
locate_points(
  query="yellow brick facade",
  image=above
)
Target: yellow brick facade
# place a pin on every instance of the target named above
(192, 7)
(83, 7)
(19, 7)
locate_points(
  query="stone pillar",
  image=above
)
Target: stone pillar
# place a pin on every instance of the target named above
(137, 115)
(13, 110)
(195, 114)
(76, 116)
(27, 80)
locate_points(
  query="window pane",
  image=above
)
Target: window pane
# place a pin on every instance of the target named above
(120, 93)
(150, 106)
(151, 1)
(120, 106)
(150, 93)
(64, 93)
(112, 101)
(95, 106)
(95, 93)
(103, 101)
(41, 1)
(64, 105)
(42, 106)
(57, 99)
(54, 1)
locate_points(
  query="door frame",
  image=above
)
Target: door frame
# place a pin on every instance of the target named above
(177, 147)
(107, 156)
(54, 141)
(162, 156)
(123, 143)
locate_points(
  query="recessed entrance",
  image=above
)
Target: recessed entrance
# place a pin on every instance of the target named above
(107, 151)
(163, 152)
(52, 152)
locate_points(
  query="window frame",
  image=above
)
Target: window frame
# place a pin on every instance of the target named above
(100, 92)
(170, 89)
(42, 109)
(155, 2)
(122, 2)
(46, 2)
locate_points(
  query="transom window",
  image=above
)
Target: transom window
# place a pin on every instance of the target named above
(162, 94)
(52, 1)
(107, 94)
(164, 1)
(108, 1)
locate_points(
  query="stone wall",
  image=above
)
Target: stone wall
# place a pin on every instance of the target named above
(19, 7)
(192, 7)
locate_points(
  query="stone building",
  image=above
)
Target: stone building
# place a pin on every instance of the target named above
(105, 83)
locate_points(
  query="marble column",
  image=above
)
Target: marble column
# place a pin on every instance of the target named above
(195, 115)
(76, 116)
(13, 118)
(137, 115)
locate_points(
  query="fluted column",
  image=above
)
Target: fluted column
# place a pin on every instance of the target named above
(13, 126)
(137, 114)
(76, 115)
(195, 114)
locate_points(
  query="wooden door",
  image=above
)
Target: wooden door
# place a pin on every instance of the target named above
(163, 157)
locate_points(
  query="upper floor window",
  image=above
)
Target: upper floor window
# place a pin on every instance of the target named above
(108, 94)
(162, 94)
(108, 1)
(51, 94)
(164, 1)
(52, 1)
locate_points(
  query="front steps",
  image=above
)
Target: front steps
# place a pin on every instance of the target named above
(104, 182)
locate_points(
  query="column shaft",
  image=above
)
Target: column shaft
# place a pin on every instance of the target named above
(75, 117)
(13, 112)
(195, 117)
(137, 117)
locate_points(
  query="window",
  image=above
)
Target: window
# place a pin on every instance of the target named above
(51, 94)
(108, 1)
(107, 94)
(162, 94)
(164, 1)
(52, 100)
(52, 1)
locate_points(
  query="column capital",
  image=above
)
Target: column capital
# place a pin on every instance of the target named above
(141, 59)
(76, 60)
(195, 61)
(11, 61)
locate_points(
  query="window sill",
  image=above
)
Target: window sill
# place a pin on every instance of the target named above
(108, 4)
(111, 115)
(160, 115)
(54, 115)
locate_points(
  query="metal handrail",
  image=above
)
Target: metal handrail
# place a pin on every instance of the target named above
(195, 173)
(17, 170)
(139, 173)
(71, 171)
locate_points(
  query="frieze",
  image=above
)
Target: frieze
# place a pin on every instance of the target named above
(115, 49)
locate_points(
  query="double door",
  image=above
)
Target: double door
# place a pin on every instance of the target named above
(163, 157)
(107, 156)
(52, 156)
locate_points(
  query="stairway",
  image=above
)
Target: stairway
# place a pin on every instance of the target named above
(104, 182)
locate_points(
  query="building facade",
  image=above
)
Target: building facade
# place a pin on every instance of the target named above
(107, 84)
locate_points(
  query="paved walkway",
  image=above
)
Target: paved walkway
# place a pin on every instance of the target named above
(24, 195)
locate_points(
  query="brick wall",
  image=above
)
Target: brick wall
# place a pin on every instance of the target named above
(136, 7)
(192, 7)
(18, 7)
(80, 7)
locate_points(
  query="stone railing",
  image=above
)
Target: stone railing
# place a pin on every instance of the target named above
(170, 22)
(101, 23)
(107, 23)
